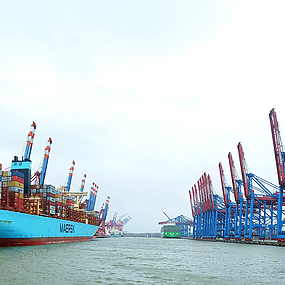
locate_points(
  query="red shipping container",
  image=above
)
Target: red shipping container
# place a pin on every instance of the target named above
(18, 179)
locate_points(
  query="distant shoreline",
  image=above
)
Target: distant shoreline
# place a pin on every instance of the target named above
(127, 234)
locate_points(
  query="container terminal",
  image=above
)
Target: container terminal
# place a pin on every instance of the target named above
(251, 209)
(35, 213)
(114, 227)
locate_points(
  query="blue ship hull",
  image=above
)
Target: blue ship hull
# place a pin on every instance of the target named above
(19, 229)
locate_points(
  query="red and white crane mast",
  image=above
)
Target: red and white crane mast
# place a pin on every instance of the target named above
(29, 144)
(45, 161)
(197, 200)
(278, 147)
(223, 183)
(191, 204)
(70, 176)
(211, 193)
(243, 170)
(234, 177)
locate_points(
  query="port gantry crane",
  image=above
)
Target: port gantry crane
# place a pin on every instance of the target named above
(45, 162)
(237, 184)
(82, 188)
(196, 209)
(208, 219)
(102, 217)
(261, 196)
(70, 176)
(29, 144)
(39, 176)
(113, 222)
(230, 214)
(80, 193)
(125, 221)
(92, 198)
(24, 165)
(279, 159)
(118, 223)
(258, 210)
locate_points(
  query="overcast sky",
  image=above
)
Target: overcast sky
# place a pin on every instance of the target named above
(145, 96)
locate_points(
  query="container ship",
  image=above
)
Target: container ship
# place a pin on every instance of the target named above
(170, 231)
(34, 213)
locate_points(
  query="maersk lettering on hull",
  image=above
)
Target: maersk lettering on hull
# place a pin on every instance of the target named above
(25, 229)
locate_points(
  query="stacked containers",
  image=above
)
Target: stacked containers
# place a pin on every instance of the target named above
(16, 189)
(49, 192)
(58, 202)
(35, 205)
(6, 177)
(63, 205)
(36, 191)
(70, 207)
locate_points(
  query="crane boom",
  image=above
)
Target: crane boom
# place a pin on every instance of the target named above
(82, 184)
(191, 204)
(194, 202)
(234, 177)
(167, 216)
(206, 187)
(90, 201)
(200, 195)
(70, 176)
(211, 193)
(106, 208)
(223, 183)
(197, 199)
(126, 220)
(29, 144)
(93, 196)
(45, 161)
(243, 169)
(278, 147)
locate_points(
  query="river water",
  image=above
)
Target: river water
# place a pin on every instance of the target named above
(143, 261)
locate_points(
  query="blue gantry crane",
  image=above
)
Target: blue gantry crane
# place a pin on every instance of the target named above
(258, 207)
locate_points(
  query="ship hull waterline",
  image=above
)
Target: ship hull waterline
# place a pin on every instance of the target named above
(20, 229)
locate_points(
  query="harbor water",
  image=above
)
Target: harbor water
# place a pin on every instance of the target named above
(138, 260)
